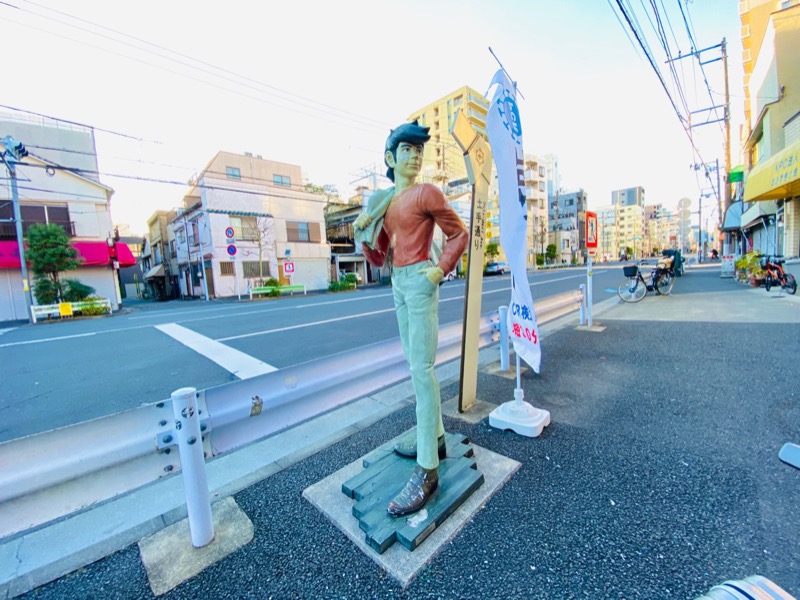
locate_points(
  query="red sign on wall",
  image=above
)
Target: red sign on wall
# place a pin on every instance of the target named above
(591, 229)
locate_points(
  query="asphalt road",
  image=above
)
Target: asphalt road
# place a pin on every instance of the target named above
(64, 372)
(657, 479)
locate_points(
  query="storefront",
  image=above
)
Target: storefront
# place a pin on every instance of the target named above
(777, 181)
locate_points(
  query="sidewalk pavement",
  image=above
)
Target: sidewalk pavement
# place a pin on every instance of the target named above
(657, 478)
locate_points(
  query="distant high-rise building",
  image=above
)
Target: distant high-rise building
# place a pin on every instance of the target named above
(628, 197)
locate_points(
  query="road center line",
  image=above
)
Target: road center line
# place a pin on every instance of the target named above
(240, 364)
(303, 325)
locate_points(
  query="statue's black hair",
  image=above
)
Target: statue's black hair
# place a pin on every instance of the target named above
(411, 133)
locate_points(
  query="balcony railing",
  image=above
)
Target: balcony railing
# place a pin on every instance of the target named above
(8, 230)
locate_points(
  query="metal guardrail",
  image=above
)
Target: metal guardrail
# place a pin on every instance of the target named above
(54, 310)
(55, 473)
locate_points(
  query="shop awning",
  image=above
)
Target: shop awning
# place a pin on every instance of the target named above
(758, 210)
(776, 178)
(733, 217)
(157, 271)
(93, 254)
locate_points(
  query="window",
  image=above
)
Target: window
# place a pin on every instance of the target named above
(254, 269)
(303, 232)
(246, 228)
(233, 173)
(226, 268)
(32, 214)
(457, 100)
(194, 234)
(172, 251)
(282, 180)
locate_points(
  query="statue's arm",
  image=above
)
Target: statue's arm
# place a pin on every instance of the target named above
(455, 231)
(377, 255)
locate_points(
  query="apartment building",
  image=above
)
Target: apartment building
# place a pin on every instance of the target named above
(566, 215)
(536, 199)
(443, 160)
(274, 221)
(771, 43)
(58, 183)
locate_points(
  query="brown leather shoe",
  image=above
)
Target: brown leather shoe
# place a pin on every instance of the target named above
(418, 491)
(408, 448)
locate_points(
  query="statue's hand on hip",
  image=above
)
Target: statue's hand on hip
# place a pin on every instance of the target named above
(434, 274)
(363, 221)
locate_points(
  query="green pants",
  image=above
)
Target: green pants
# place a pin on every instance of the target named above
(417, 302)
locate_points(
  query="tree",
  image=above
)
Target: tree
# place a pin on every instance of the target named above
(552, 252)
(50, 254)
(328, 190)
(492, 251)
(262, 232)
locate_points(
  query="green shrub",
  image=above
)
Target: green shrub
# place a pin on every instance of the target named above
(341, 286)
(45, 290)
(540, 260)
(75, 291)
(94, 308)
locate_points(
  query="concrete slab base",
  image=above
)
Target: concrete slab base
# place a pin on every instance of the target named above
(401, 564)
(475, 414)
(170, 559)
(510, 373)
(595, 328)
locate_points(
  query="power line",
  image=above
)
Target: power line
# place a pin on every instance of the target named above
(85, 172)
(304, 102)
(202, 62)
(125, 135)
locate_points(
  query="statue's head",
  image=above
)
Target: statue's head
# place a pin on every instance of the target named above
(411, 133)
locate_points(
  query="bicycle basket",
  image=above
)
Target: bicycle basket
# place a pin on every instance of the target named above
(630, 271)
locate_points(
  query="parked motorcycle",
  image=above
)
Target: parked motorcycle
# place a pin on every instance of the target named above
(777, 275)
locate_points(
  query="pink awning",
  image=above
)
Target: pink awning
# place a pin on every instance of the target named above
(93, 254)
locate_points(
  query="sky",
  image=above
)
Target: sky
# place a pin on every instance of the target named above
(318, 84)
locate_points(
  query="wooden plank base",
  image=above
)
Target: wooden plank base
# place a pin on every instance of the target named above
(386, 473)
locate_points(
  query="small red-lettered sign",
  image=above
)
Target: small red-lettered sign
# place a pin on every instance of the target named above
(591, 229)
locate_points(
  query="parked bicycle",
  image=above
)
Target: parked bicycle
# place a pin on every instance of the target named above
(635, 287)
(777, 275)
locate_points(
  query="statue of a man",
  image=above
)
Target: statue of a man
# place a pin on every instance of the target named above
(398, 226)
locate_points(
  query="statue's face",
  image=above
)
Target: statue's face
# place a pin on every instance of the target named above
(407, 160)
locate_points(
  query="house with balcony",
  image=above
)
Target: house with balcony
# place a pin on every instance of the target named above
(273, 219)
(67, 194)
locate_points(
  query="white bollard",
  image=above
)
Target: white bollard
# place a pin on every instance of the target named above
(589, 291)
(193, 465)
(582, 288)
(503, 310)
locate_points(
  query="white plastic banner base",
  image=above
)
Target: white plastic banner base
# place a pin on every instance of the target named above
(520, 417)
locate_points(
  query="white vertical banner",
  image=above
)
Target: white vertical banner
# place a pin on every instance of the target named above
(505, 137)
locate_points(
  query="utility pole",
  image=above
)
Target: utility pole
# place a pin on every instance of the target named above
(13, 153)
(727, 128)
(726, 115)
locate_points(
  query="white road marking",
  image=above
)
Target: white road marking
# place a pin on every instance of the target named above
(303, 325)
(240, 364)
(2, 331)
